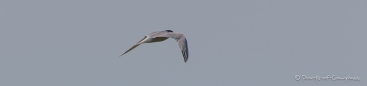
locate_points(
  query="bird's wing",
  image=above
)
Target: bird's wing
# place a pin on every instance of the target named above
(181, 39)
(136, 45)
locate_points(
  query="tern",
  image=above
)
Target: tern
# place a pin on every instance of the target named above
(159, 36)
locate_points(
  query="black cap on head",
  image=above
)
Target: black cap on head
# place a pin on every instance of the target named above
(169, 30)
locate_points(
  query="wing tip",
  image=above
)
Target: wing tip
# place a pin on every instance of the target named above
(122, 54)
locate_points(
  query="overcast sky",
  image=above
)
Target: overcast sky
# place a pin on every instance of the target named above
(231, 43)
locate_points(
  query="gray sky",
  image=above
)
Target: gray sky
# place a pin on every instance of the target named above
(231, 43)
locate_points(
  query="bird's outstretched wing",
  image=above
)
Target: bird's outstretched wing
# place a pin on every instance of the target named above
(136, 45)
(182, 42)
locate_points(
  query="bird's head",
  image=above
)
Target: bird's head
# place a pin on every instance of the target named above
(169, 30)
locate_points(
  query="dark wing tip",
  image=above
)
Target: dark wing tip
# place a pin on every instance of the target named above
(121, 55)
(185, 56)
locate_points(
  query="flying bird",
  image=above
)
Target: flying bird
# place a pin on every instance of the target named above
(159, 36)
